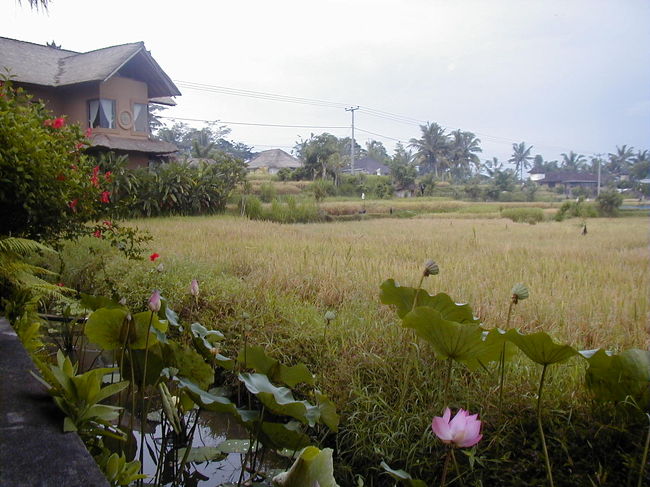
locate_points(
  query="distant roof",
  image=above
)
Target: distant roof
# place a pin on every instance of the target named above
(275, 158)
(370, 165)
(135, 145)
(568, 177)
(49, 66)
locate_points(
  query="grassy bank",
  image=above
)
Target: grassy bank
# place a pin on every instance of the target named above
(588, 291)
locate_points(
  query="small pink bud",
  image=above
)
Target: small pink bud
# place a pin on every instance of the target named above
(154, 301)
(194, 287)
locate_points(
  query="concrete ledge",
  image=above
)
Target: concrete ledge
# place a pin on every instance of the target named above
(34, 451)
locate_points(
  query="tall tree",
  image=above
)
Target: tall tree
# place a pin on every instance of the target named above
(492, 167)
(640, 165)
(462, 153)
(319, 155)
(521, 158)
(431, 147)
(573, 161)
(376, 151)
(401, 167)
(620, 160)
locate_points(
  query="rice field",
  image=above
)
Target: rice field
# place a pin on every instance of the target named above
(589, 290)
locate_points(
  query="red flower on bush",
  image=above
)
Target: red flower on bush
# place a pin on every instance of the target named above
(109, 224)
(89, 132)
(73, 205)
(60, 177)
(97, 233)
(58, 122)
(108, 176)
(105, 197)
(60, 284)
(154, 256)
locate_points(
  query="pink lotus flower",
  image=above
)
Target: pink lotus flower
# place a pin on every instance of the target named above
(462, 431)
(154, 301)
(194, 287)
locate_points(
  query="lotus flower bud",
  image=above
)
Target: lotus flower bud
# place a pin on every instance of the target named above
(431, 268)
(330, 315)
(154, 301)
(214, 351)
(519, 292)
(194, 287)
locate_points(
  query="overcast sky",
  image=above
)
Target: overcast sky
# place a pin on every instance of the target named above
(558, 74)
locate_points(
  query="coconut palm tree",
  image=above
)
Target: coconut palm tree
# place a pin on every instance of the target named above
(462, 150)
(521, 157)
(620, 160)
(431, 148)
(573, 161)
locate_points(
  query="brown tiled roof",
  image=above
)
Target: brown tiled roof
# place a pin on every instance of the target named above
(48, 66)
(568, 177)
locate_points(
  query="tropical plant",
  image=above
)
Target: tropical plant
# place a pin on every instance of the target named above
(573, 161)
(462, 149)
(431, 148)
(521, 158)
(609, 202)
(619, 161)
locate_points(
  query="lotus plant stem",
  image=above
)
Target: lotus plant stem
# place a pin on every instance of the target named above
(190, 440)
(644, 458)
(143, 412)
(502, 359)
(445, 467)
(453, 458)
(417, 291)
(541, 430)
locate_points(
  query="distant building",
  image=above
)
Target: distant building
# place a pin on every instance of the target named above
(368, 165)
(272, 161)
(107, 90)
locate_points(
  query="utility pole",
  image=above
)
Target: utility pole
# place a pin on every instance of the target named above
(351, 110)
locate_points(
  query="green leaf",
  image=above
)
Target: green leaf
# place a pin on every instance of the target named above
(403, 476)
(327, 409)
(540, 348)
(280, 435)
(212, 402)
(462, 342)
(312, 467)
(614, 377)
(189, 364)
(255, 357)
(402, 297)
(280, 400)
(94, 303)
(105, 327)
(206, 337)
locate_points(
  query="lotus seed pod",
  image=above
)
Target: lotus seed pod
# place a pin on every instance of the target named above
(330, 315)
(519, 292)
(431, 268)
(194, 287)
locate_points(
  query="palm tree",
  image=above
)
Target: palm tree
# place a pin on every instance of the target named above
(431, 148)
(492, 167)
(521, 157)
(376, 150)
(462, 151)
(620, 160)
(573, 161)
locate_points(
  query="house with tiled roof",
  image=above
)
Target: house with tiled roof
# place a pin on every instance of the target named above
(108, 90)
(272, 161)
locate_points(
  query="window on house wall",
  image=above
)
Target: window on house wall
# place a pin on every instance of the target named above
(101, 113)
(140, 117)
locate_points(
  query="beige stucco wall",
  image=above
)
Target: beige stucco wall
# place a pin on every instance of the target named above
(125, 92)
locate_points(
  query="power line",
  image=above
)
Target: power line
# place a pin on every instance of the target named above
(386, 115)
(257, 124)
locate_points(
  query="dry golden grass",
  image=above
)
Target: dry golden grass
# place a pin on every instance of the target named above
(589, 291)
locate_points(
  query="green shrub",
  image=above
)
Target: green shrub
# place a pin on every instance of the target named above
(48, 189)
(267, 192)
(609, 202)
(521, 215)
(322, 189)
(579, 209)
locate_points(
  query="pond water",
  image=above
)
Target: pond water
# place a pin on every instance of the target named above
(212, 430)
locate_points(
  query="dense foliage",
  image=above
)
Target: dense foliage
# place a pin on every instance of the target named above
(48, 188)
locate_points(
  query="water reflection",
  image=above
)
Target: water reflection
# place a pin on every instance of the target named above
(212, 430)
